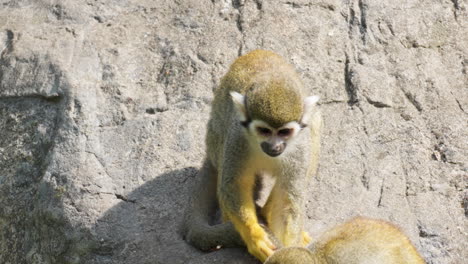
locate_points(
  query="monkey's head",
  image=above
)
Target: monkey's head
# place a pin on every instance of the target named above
(291, 255)
(274, 114)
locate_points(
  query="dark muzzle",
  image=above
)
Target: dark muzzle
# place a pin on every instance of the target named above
(273, 150)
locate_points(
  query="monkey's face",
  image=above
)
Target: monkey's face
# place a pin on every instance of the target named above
(273, 141)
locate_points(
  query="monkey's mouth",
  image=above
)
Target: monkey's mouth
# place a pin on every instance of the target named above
(273, 154)
(273, 151)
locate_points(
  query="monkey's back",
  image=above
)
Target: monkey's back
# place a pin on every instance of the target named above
(363, 240)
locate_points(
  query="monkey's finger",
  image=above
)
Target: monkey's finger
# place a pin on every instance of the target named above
(270, 244)
(265, 249)
(261, 256)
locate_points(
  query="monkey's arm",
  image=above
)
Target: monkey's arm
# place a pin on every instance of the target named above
(284, 215)
(201, 209)
(237, 205)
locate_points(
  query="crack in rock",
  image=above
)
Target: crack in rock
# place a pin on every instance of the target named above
(379, 203)
(377, 104)
(350, 87)
(124, 198)
(6, 42)
(412, 99)
(363, 20)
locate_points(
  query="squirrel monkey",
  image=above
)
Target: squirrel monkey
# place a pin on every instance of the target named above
(261, 125)
(358, 241)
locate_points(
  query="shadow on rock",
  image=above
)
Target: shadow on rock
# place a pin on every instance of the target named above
(145, 227)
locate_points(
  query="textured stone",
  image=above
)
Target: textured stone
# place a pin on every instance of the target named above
(103, 107)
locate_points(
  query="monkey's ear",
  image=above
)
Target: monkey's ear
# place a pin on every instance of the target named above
(309, 104)
(239, 103)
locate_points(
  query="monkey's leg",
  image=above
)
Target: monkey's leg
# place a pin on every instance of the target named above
(283, 213)
(237, 204)
(201, 209)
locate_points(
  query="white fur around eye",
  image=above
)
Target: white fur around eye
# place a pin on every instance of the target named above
(255, 124)
(292, 125)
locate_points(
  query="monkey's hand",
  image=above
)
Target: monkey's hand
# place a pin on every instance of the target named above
(306, 239)
(255, 237)
(258, 243)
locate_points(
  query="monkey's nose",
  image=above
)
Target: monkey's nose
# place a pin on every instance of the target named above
(277, 148)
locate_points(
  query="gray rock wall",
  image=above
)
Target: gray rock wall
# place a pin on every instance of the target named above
(103, 107)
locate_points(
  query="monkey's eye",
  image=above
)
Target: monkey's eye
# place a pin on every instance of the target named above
(264, 131)
(286, 132)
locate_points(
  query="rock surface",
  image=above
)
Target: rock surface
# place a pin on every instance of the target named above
(103, 107)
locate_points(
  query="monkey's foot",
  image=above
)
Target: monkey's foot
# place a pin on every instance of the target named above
(306, 239)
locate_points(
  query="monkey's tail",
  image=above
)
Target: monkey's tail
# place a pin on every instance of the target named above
(206, 237)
